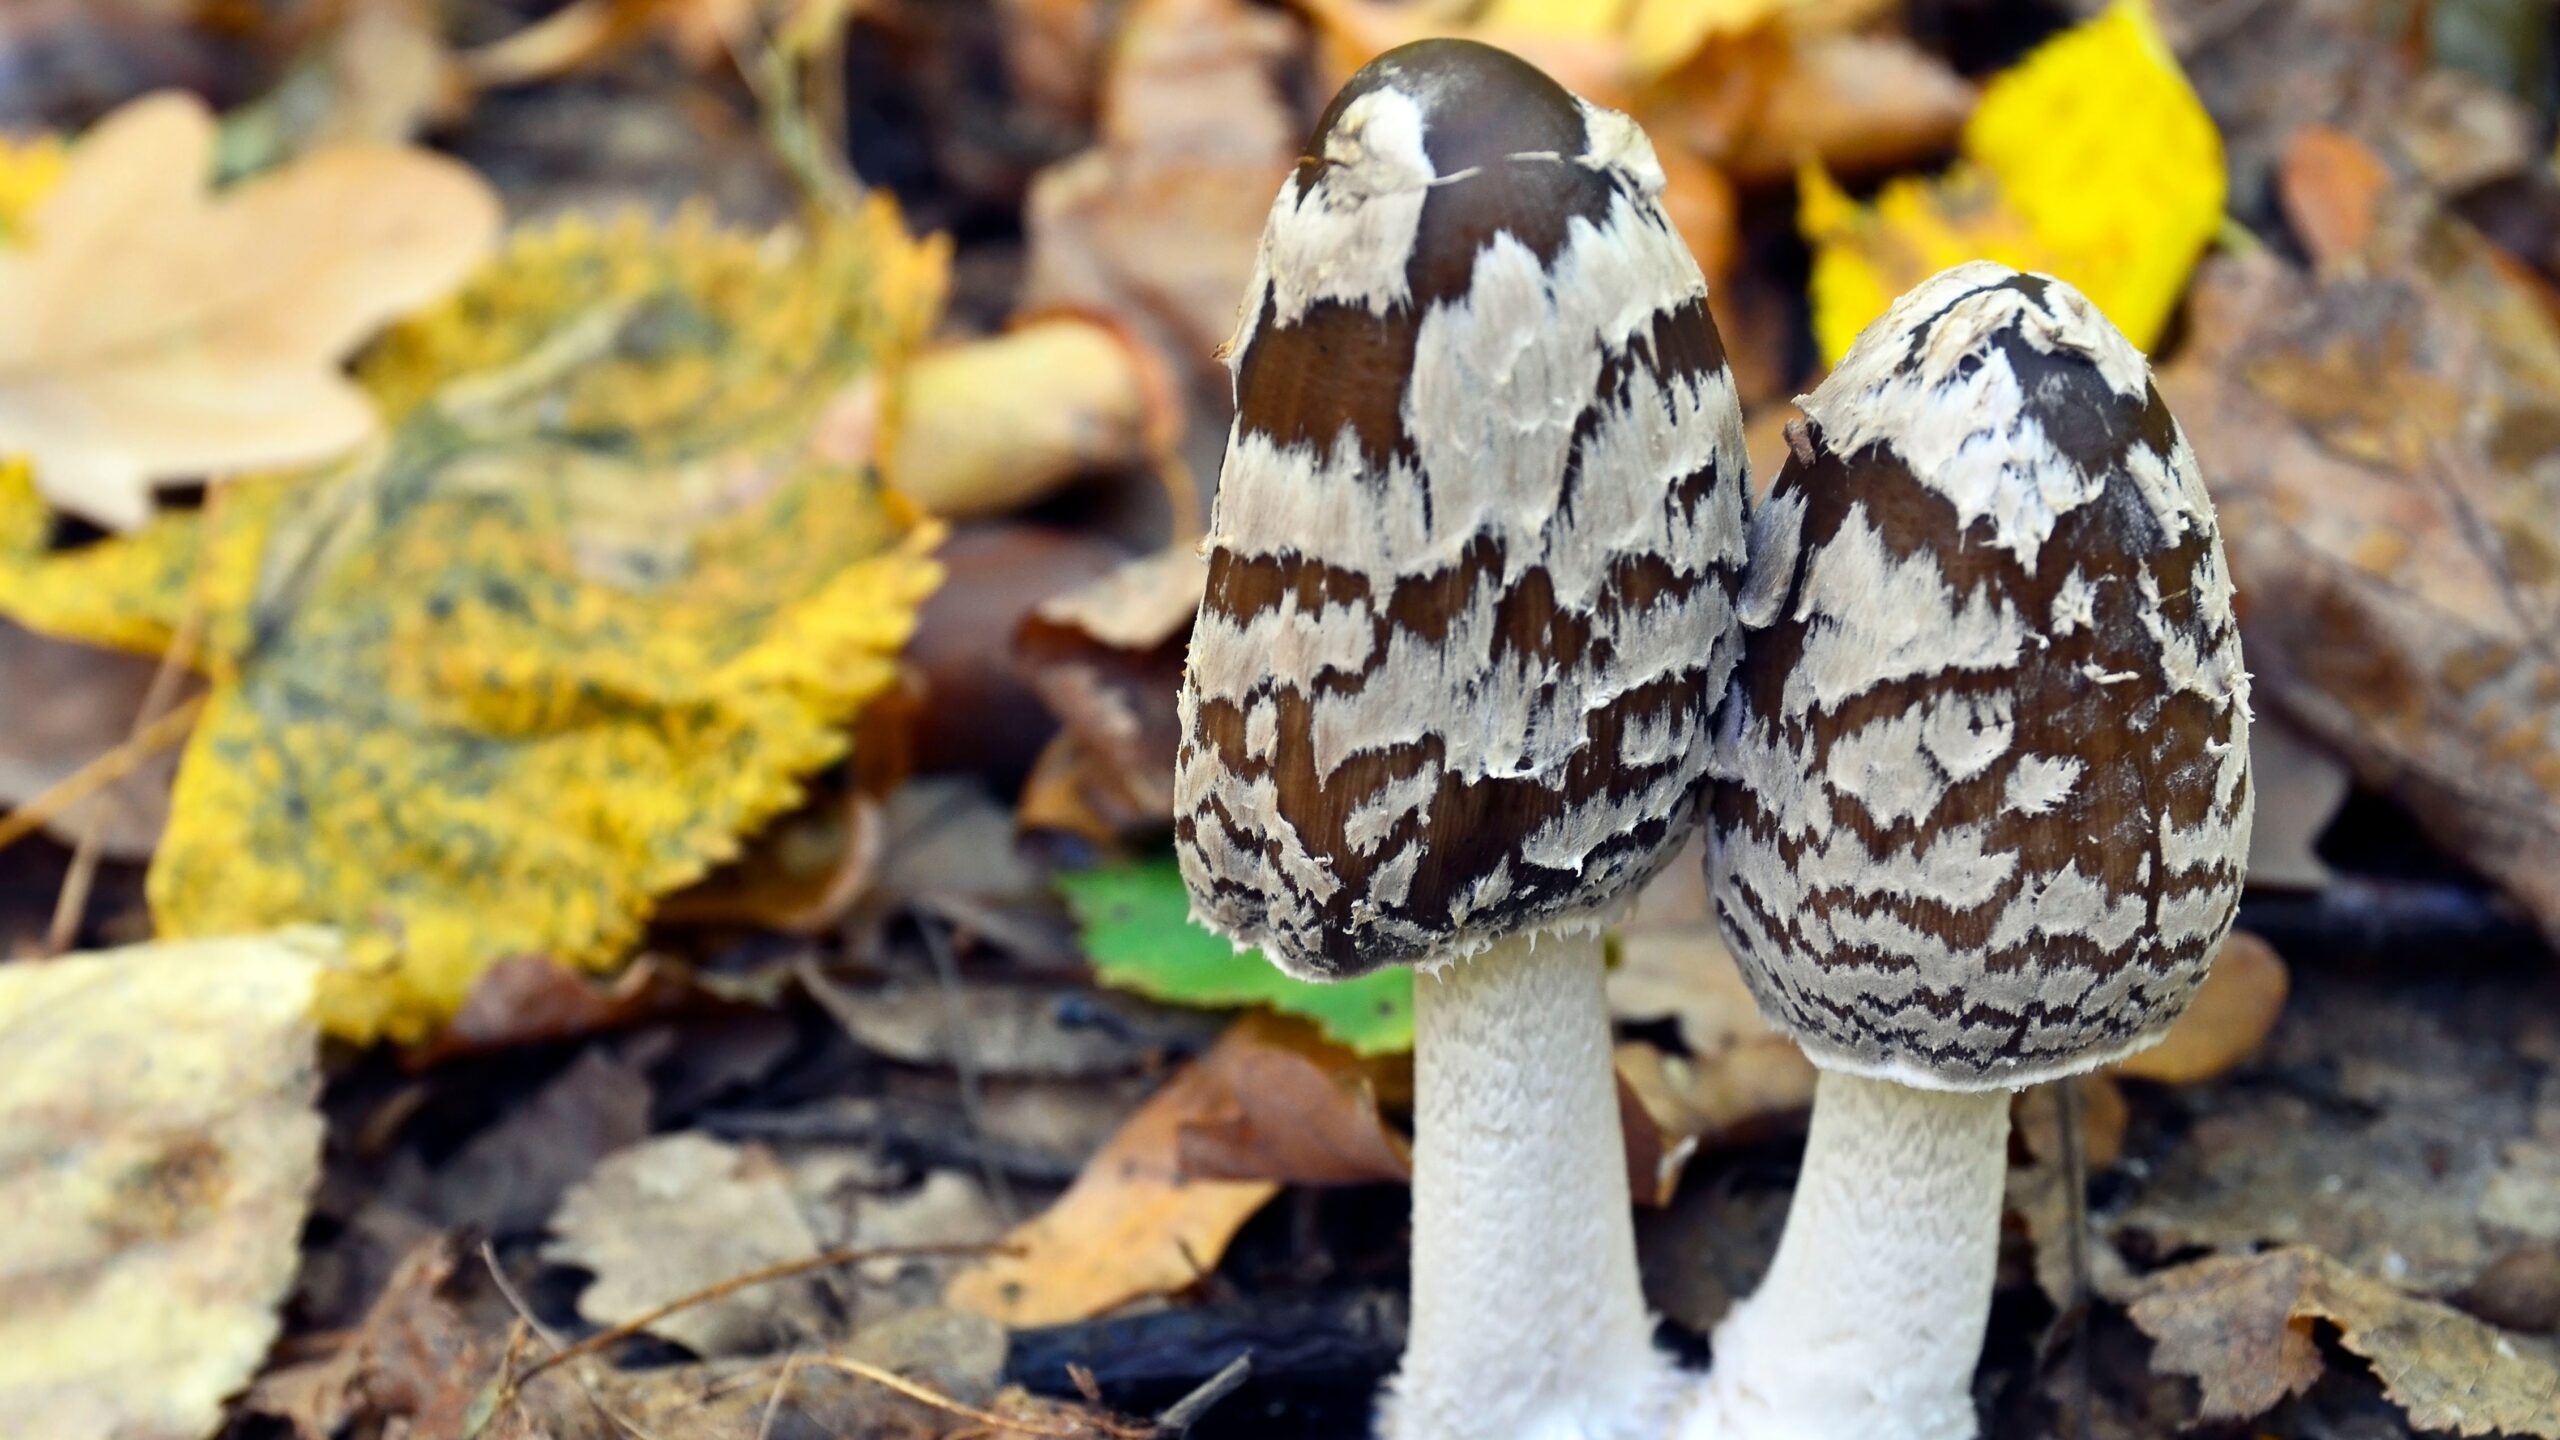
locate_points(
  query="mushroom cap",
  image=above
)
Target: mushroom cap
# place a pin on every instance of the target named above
(1985, 763)
(1472, 559)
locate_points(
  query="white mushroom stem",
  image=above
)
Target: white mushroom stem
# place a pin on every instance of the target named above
(1869, 1325)
(1527, 1321)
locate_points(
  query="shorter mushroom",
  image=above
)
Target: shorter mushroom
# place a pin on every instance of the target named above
(1984, 811)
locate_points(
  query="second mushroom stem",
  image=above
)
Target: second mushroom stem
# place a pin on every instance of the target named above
(1527, 1317)
(1870, 1321)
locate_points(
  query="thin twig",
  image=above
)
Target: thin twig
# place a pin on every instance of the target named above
(98, 774)
(964, 1064)
(524, 1312)
(825, 1261)
(773, 1403)
(1182, 1414)
(71, 902)
(924, 1395)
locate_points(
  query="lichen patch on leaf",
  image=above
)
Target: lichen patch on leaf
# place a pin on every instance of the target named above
(617, 576)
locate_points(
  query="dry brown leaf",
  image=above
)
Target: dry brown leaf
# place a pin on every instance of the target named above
(1106, 658)
(2376, 445)
(1298, 1109)
(2332, 188)
(2230, 1017)
(1156, 226)
(988, 426)
(161, 1144)
(2242, 1327)
(1134, 1224)
(1763, 104)
(676, 1215)
(2299, 786)
(62, 706)
(159, 330)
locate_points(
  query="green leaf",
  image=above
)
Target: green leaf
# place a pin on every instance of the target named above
(1136, 924)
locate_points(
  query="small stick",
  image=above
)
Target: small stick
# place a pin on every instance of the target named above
(773, 1404)
(824, 1261)
(524, 1313)
(98, 774)
(1182, 1414)
(939, 1401)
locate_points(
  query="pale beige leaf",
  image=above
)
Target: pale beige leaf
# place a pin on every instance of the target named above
(160, 330)
(158, 1145)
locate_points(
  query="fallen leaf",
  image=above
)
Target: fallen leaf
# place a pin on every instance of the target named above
(1135, 919)
(159, 331)
(64, 705)
(161, 1146)
(2232, 1012)
(2041, 1189)
(29, 170)
(2298, 785)
(2242, 1327)
(992, 1028)
(416, 1360)
(614, 583)
(1760, 105)
(1106, 658)
(1299, 1109)
(2333, 188)
(2374, 445)
(1078, 396)
(1135, 1223)
(987, 720)
(2092, 160)
(1156, 226)
(679, 1214)
(508, 1179)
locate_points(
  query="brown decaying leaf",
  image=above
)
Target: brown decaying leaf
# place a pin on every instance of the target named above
(1156, 226)
(63, 705)
(1760, 105)
(2375, 442)
(988, 426)
(676, 1214)
(158, 330)
(2299, 786)
(2242, 1327)
(986, 717)
(1139, 1222)
(1106, 658)
(2230, 1017)
(528, 999)
(2331, 186)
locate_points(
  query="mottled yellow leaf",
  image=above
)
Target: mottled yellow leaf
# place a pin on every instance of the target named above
(159, 1139)
(2092, 160)
(617, 577)
(158, 330)
(29, 169)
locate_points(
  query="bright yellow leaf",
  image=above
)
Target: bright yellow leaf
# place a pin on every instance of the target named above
(617, 577)
(158, 330)
(29, 169)
(2093, 160)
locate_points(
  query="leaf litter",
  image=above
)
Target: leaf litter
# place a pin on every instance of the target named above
(731, 935)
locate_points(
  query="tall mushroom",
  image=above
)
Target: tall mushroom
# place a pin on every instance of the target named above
(1986, 809)
(1471, 571)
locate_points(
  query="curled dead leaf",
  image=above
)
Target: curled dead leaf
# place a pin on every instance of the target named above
(992, 425)
(2243, 1328)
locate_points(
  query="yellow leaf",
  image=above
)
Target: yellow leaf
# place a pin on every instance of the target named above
(2092, 161)
(162, 1142)
(159, 331)
(29, 170)
(616, 579)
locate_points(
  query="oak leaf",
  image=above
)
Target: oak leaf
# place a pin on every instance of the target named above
(160, 330)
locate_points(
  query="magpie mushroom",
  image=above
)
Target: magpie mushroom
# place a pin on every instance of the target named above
(1985, 808)
(1470, 600)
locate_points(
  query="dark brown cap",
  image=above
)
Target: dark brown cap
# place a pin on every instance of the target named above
(1986, 794)
(1473, 556)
